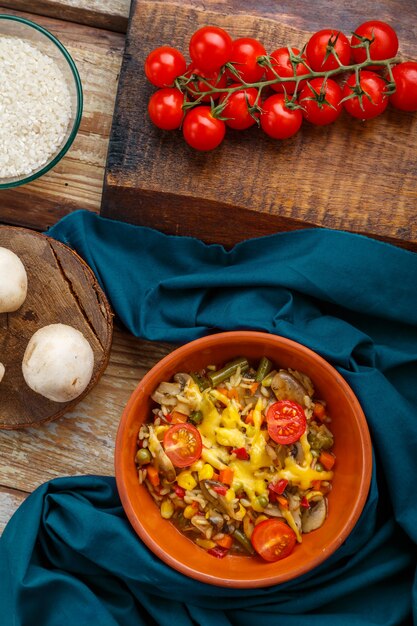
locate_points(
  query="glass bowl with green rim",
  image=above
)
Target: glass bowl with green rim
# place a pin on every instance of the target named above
(12, 26)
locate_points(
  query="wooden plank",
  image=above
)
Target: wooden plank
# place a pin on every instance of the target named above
(10, 500)
(77, 181)
(81, 442)
(354, 176)
(107, 14)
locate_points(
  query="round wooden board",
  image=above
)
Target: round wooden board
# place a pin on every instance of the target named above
(61, 289)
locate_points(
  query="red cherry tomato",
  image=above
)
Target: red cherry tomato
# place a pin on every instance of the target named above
(236, 110)
(320, 100)
(373, 100)
(273, 539)
(210, 48)
(405, 78)
(286, 421)
(165, 108)
(277, 120)
(383, 38)
(196, 87)
(163, 65)
(320, 47)
(182, 444)
(201, 130)
(282, 65)
(244, 58)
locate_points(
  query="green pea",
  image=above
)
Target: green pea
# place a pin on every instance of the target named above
(263, 501)
(319, 467)
(143, 456)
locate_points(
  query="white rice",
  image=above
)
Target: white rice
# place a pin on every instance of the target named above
(35, 107)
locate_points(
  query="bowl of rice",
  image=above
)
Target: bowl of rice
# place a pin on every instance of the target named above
(41, 101)
(243, 459)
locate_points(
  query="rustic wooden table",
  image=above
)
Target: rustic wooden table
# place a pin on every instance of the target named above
(82, 441)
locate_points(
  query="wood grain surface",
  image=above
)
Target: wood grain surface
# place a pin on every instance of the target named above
(352, 175)
(107, 14)
(61, 289)
(82, 441)
(77, 181)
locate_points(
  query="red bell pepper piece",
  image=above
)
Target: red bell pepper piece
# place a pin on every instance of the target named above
(218, 552)
(220, 490)
(241, 454)
(305, 503)
(279, 486)
(180, 492)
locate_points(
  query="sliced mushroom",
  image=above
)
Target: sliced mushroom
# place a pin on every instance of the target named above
(166, 393)
(182, 378)
(286, 387)
(313, 517)
(164, 463)
(219, 502)
(215, 518)
(273, 510)
(294, 507)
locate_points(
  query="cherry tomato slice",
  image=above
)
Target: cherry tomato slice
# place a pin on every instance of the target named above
(273, 539)
(286, 421)
(182, 444)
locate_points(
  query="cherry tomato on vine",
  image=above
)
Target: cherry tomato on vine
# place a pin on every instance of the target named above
(277, 119)
(371, 99)
(321, 48)
(165, 108)
(384, 42)
(244, 57)
(210, 48)
(286, 421)
(236, 110)
(201, 130)
(405, 78)
(282, 65)
(215, 79)
(273, 539)
(321, 101)
(163, 65)
(182, 444)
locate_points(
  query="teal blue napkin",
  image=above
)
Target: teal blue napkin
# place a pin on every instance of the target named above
(69, 555)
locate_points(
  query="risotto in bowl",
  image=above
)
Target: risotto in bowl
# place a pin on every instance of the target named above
(243, 459)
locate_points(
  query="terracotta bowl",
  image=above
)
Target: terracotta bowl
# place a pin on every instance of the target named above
(350, 484)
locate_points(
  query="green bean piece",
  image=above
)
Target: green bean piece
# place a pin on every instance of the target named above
(196, 418)
(264, 367)
(227, 371)
(143, 456)
(243, 540)
(200, 381)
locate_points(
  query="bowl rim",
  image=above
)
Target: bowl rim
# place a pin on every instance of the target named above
(80, 101)
(279, 578)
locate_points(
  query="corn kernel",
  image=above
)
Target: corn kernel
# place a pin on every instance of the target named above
(206, 472)
(207, 544)
(186, 480)
(197, 466)
(230, 495)
(167, 509)
(189, 511)
(260, 518)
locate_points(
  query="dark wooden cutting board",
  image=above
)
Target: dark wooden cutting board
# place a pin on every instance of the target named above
(353, 175)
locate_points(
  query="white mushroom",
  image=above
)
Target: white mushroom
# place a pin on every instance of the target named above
(2, 370)
(58, 362)
(313, 517)
(13, 281)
